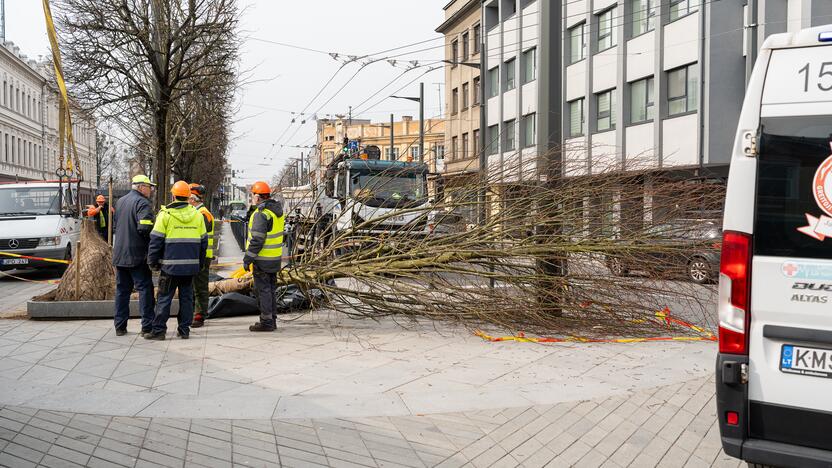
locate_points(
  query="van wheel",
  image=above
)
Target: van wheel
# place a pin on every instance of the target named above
(616, 266)
(699, 270)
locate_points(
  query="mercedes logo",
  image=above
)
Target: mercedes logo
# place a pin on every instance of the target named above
(14, 243)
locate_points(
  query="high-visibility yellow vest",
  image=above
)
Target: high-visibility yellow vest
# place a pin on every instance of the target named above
(207, 214)
(273, 246)
(183, 229)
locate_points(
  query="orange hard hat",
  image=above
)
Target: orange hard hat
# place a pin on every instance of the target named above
(261, 188)
(100, 198)
(181, 189)
(198, 189)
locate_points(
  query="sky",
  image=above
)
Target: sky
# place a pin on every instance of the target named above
(279, 79)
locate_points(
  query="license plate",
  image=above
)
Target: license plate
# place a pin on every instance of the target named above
(801, 360)
(16, 261)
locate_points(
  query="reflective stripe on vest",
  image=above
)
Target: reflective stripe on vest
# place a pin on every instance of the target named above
(273, 245)
(207, 214)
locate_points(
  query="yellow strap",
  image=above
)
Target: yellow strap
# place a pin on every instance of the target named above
(66, 125)
(146, 222)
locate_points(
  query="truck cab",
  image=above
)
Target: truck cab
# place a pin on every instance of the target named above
(373, 196)
(38, 219)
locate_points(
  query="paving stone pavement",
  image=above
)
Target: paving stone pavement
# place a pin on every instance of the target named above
(666, 426)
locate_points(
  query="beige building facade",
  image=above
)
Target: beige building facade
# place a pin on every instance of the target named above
(463, 40)
(29, 123)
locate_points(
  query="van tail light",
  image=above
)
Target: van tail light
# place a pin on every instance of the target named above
(734, 292)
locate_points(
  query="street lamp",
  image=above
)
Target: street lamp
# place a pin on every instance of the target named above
(421, 101)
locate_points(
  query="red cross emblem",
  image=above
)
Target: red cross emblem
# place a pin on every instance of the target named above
(790, 269)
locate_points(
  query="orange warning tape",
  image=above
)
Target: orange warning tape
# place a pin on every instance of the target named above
(662, 317)
(52, 260)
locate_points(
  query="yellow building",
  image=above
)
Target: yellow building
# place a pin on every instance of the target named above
(331, 135)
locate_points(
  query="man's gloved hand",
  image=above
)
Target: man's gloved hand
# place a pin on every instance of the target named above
(155, 266)
(247, 264)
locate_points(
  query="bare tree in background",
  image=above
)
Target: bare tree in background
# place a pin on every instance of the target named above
(134, 60)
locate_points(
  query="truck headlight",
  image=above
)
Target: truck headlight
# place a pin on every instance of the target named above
(47, 241)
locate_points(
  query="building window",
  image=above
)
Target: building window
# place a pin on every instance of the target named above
(465, 146)
(493, 84)
(509, 8)
(477, 38)
(577, 43)
(510, 74)
(493, 142)
(395, 156)
(529, 65)
(682, 84)
(510, 132)
(455, 101)
(606, 29)
(440, 152)
(576, 117)
(414, 153)
(641, 100)
(527, 130)
(477, 148)
(605, 108)
(644, 16)
(465, 46)
(454, 146)
(680, 8)
(477, 91)
(465, 94)
(454, 53)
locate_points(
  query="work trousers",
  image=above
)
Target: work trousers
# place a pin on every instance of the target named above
(168, 285)
(127, 279)
(201, 292)
(265, 285)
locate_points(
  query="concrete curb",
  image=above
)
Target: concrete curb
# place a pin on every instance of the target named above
(82, 310)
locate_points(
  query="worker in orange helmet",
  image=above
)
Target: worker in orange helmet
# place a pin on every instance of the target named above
(264, 249)
(99, 214)
(178, 243)
(197, 200)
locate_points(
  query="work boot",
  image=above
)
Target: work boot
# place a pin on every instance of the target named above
(261, 327)
(184, 336)
(146, 331)
(121, 331)
(155, 336)
(198, 321)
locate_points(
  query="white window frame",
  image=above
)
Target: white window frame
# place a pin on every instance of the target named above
(647, 107)
(678, 9)
(606, 116)
(529, 56)
(510, 135)
(644, 15)
(582, 110)
(607, 38)
(690, 98)
(527, 141)
(510, 74)
(577, 43)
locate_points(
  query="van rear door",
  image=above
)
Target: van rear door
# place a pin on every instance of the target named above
(790, 342)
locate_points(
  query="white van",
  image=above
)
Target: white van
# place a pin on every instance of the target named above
(37, 221)
(774, 369)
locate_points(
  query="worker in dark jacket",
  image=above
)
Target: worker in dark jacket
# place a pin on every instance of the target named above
(178, 244)
(134, 218)
(264, 249)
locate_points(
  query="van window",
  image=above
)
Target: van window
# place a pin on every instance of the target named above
(28, 201)
(791, 150)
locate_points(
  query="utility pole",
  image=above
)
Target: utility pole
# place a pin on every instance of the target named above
(350, 121)
(422, 122)
(392, 139)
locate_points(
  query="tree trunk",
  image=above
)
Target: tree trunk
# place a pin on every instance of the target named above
(162, 167)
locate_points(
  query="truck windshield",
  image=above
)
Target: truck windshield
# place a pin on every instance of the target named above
(22, 201)
(792, 150)
(388, 189)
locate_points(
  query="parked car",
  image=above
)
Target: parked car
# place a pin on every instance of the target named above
(687, 248)
(37, 220)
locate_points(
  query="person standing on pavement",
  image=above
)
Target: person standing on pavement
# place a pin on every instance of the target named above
(135, 220)
(264, 247)
(201, 279)
(99, 214)
(178, 244)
